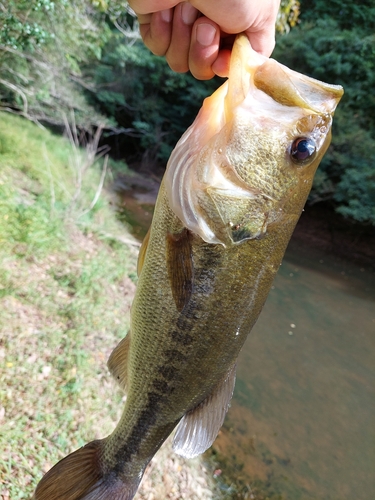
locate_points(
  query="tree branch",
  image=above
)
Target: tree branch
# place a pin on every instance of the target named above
(18, 91)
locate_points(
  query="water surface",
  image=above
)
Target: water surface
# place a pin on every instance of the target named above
(302, 421)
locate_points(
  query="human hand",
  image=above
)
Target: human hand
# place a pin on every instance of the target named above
(198, 35)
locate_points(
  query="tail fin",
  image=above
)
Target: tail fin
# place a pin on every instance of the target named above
(80, 476)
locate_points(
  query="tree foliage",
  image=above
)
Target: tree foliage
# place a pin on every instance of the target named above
(49, 48)
(332, 46)
(288, 15)
(347, 14)
(146, 97)
(43, 46)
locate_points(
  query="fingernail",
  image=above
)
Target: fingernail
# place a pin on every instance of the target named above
(166, 15)
(188, 13)
(205, 34)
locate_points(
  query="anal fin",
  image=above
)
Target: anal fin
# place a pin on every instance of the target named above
(118, 362)
(199, 427)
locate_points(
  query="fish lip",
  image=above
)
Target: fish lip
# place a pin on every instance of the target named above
(249, 69)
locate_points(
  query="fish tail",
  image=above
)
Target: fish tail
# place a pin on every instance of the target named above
(80, 476)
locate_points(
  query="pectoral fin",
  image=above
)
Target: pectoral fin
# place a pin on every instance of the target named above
(199, 427)
(142, 252)
(180, 267)
(118, 362)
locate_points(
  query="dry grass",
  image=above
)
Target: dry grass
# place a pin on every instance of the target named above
(169, 476)
(60, 318)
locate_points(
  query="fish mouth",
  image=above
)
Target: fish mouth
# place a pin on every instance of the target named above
(212, 160)
(283, 85)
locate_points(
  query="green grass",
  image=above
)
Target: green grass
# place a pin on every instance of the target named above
(65, 294)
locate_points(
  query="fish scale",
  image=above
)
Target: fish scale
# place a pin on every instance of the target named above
(233, 191)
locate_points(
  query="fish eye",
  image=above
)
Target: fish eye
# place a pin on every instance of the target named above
(302, 150)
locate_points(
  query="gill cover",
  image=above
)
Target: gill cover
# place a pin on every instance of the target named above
(199, 173)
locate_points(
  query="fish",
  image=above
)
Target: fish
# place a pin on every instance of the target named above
(234, 188)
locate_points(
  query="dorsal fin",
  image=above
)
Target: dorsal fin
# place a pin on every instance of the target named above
(118, 362)
(199, 427)
(180, 267)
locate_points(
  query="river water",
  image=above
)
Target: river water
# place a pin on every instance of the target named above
(302, 421)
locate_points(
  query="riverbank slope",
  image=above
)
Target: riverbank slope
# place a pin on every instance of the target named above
(67, 279)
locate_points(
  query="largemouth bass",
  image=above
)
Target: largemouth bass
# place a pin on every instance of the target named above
(233, 191)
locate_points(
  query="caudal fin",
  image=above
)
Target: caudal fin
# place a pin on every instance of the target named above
(80, 476)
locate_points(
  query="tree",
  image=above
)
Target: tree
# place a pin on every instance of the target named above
(43, 45)
(328, 46)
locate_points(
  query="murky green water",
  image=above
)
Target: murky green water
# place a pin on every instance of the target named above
(302, 421)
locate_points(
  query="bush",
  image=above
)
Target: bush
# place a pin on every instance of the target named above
(328, 50)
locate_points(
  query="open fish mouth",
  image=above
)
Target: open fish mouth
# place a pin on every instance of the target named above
(216, 157)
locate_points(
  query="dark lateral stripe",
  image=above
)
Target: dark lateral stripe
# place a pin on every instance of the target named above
(174, 355)
(146, 420)
(162, 386)
(181, 337)
(168, 372)
(181, 276)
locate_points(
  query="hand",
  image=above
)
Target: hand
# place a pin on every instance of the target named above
(197, 35)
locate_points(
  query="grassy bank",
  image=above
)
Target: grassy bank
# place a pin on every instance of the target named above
(66, 285)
